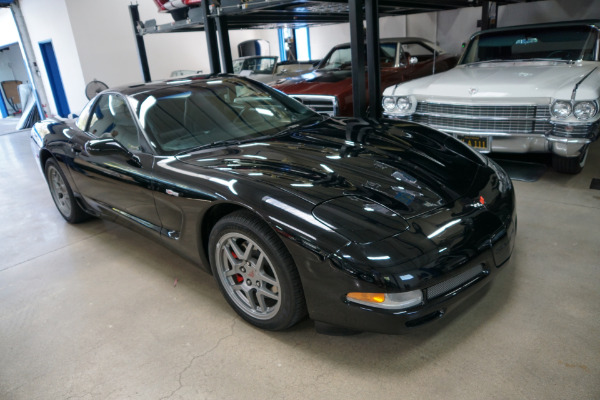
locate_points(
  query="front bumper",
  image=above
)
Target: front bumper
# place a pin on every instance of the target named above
(445, 281)
(537, 135)
(334, 310)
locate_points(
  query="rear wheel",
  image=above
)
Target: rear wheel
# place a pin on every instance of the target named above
(62, 194)
(255, 272)
(570, 165)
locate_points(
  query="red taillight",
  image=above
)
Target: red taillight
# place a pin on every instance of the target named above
(481, 200)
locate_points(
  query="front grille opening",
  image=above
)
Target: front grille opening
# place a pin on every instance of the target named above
(321, 104)
(457, 282)
(426, 319)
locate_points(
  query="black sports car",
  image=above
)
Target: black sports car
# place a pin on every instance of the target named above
(361, 225)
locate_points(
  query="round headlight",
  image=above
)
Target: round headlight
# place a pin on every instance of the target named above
(389, 103)
(561, 109)
(403, 104)
(585, 110)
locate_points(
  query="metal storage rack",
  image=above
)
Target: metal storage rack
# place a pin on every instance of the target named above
(216, 17)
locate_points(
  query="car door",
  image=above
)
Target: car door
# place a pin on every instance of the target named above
(111, 168)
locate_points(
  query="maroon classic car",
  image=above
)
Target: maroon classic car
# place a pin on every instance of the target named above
(328, 89)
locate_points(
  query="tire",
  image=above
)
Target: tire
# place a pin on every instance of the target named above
(62, 194)
(255, 272)
(570, 165)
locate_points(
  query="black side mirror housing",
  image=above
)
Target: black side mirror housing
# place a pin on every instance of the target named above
(111, 146)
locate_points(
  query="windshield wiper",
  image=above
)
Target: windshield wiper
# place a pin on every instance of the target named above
(489, 61)
(216, 143)
(520, 60)
(547, 59)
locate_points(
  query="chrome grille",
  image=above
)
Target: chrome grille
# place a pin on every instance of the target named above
(575, 130)
(320, 103)
(456, 282)
(484, 119)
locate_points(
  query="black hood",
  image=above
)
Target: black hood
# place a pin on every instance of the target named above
(408, 168)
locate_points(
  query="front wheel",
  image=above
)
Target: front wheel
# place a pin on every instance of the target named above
(255, 272)
(570, 165)
(62, 194)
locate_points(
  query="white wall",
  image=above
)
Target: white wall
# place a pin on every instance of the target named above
(453, 27)
(108, 52)
(8, 30)
(94, 39)
(12, 66)
(548, 11)
(48, 20)
(323, 38)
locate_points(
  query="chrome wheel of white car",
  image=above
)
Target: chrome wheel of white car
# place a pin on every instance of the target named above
(255, 272)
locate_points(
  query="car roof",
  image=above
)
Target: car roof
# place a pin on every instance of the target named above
(407, 39)
(585, 22)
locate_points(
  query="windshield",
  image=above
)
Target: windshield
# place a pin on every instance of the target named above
(556, 43)
(258, 65)
(193, 115)
(341, 58)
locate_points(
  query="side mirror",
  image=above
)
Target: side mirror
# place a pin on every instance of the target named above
(104, 146)
(413, 60)
(111, 146)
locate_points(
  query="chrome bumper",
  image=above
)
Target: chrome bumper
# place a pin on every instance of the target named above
(562, 140)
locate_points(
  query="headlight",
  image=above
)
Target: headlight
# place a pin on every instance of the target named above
(400, 105)
(389, 103)
(585, 110)
(403, 104)
(390, 301)
(561, 109)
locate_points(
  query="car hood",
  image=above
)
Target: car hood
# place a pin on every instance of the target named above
(510, 80)
(404, 167)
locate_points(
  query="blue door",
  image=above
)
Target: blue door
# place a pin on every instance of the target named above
(58, 91)
(3, 109)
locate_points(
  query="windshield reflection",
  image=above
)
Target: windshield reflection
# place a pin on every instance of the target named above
(568, 43)
(185, 117)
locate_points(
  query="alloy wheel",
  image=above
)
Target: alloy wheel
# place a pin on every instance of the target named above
(248, 276)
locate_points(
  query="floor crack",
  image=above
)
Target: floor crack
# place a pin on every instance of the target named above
(197, 357)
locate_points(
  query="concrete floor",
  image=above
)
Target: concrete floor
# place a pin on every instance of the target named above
(94, 311)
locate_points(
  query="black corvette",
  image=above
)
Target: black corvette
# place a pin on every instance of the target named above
(359, 225)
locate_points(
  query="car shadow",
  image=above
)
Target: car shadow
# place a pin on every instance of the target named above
(384, 354)
(524, 167)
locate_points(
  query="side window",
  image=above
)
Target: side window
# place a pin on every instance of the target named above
(111, 117)
(387, 54)
(416, 50)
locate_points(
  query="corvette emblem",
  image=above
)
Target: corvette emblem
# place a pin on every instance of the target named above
(473, 91)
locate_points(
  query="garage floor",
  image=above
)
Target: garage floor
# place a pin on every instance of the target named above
(94, 311)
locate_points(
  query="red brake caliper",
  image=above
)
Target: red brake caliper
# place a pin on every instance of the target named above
(237, 277)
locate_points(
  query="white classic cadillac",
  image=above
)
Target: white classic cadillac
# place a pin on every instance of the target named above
(521, 89)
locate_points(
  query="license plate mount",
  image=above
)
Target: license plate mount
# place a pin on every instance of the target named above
(480, 143)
